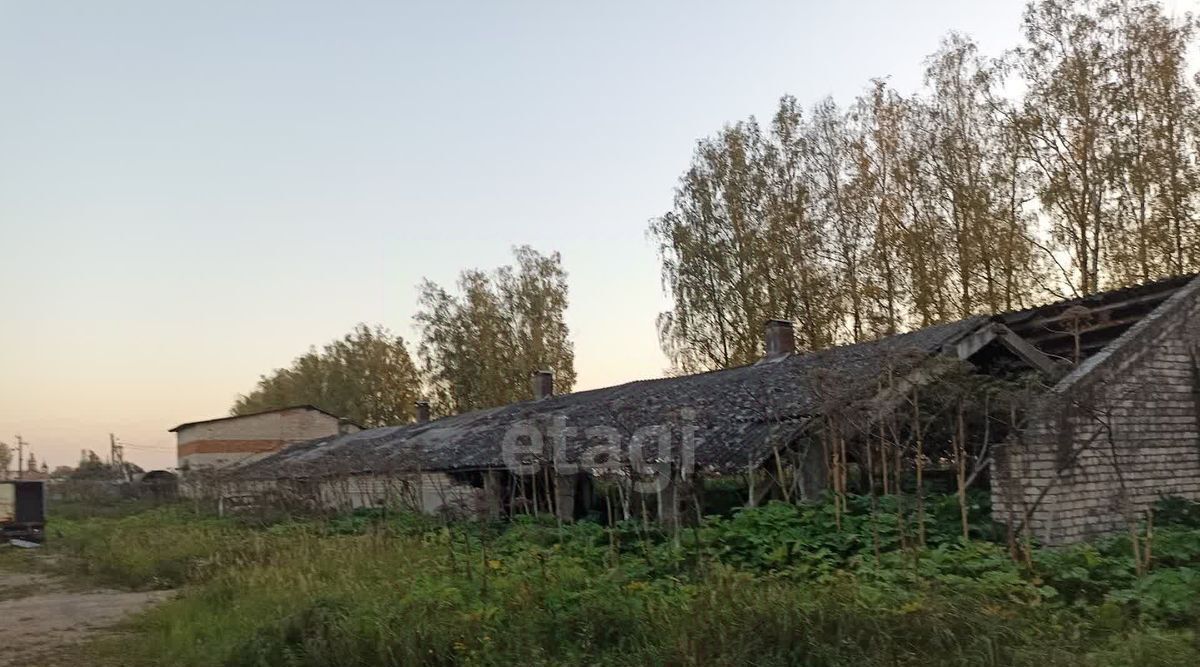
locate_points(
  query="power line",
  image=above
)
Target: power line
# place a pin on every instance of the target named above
(159, 448)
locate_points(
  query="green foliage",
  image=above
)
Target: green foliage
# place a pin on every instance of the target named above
(724, 495)
(773, 585)
(367, 376)
(1176, 511)
(814, 537)
(106, 506)
(1170, 596)
(1068, 163)
(1083, 574)
(480, 345)
(92, 468)
(159, 548)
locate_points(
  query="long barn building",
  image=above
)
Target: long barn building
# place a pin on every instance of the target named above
(1078, 415)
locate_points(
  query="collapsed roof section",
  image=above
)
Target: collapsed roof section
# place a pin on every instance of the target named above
(1096, 320)
(738, 415)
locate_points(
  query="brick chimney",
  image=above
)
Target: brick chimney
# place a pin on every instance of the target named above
(780, 338)
(543, 384)
(422, 411)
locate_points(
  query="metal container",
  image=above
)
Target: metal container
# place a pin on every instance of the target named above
(22, 510)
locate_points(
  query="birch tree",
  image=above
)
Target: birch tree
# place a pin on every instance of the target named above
(1155, 171)
(899, 211)
(480, 345)
(1067, 122)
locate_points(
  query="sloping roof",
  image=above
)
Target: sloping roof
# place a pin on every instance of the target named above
(739, 413)
(304, 406)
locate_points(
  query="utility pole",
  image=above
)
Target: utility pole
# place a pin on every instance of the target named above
(116, 456)
(20, 456)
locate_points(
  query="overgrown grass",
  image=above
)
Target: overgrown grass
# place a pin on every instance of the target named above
(777, 585)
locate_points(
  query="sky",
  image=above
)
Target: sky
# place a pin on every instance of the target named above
(193, 193)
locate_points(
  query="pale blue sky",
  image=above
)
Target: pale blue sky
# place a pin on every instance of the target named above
(192, 193)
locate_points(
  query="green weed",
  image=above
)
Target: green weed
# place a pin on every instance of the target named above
(775, 585)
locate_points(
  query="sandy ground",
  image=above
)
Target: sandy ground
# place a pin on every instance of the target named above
(43, 617)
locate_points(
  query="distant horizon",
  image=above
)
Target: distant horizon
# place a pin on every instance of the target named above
(193, 195)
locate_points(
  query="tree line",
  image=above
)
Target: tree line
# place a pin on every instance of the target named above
(478, 345)
(1064, 166)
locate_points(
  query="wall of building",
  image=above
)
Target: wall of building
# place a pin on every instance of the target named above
(432, 493)
(242, 439)
(1115, 435)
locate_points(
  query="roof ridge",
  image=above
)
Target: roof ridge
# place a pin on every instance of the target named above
(308, 406)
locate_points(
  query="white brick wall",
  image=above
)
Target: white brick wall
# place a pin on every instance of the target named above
(1113, 437)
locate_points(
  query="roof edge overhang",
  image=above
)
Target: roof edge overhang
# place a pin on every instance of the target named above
(301, 406)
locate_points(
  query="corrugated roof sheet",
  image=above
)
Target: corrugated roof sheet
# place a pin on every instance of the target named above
(739, 413)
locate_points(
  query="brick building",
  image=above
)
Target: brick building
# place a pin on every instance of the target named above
(225, 441)
(1120, 430)
(1077, 415)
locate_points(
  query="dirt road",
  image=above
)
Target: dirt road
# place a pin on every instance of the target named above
(43, 617)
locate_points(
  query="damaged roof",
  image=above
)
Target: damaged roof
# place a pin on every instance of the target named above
(1097, 319)
(739, 414)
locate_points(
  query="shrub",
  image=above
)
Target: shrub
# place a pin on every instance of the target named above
(774, 585)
